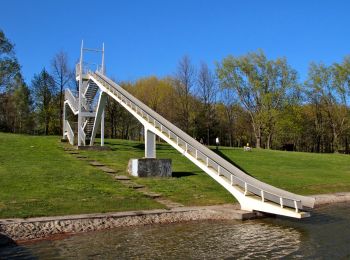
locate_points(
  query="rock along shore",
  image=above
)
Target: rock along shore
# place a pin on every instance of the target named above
(43, 227)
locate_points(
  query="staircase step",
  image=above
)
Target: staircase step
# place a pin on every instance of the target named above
(122, 178)
(96, 163)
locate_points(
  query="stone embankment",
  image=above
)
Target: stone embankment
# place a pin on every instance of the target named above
(44, 227)
(323, 199)
(38, 228)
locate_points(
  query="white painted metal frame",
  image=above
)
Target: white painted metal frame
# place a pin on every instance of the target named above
(251, 193)
(99, 117)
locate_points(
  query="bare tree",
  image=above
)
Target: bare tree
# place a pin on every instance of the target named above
(62, 75)
(229, 100)
(183, 83)
(207, 90)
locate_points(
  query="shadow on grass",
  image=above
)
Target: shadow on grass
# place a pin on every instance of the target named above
(139, 146)
(224, 156)
(182, 174)
(110, 143)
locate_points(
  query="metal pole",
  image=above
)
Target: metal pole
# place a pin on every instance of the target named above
(103, 59)
(80, 90)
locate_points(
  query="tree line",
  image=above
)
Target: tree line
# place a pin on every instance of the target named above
(245, 99)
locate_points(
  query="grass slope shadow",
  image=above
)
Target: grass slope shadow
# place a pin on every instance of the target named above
(222, 155)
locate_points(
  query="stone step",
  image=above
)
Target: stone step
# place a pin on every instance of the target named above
(151, 195)
(73, 152)
(122, 178)
(107, 169)
(81, 157)
(96, 163)
(135, 186)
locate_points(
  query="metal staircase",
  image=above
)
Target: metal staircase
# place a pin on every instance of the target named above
(89, 96)
(88, 126)
(87, 109)
(252, 194)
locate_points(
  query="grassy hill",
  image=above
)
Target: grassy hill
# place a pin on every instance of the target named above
(37, 178)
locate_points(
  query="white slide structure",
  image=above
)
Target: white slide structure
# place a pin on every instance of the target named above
(252, 194)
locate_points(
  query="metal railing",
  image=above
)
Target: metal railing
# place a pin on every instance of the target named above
(82, 134)
(70, 133)
(232, 174)
(73, 101)
(87, 67)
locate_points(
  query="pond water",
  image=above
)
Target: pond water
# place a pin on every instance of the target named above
(326, 235)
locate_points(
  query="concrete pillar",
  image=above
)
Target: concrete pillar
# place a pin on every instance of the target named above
(150, 144)
(103, 128)
(64, 121)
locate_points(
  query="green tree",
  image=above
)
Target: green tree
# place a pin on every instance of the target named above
(11, 85)
(23, 107)
(327, 89)
(45, 90)
(9, 66)
(263, 87)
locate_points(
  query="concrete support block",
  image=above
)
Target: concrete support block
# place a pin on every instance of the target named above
(150, 167)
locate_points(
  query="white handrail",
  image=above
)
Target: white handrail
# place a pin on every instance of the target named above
(237, 176)
(72, 100)
(70, 133)
(82, 134)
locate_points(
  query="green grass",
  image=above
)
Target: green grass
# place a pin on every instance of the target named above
(304, 173)
(190, 186)
(37, 178)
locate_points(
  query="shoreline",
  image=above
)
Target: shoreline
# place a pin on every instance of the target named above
(31, 229)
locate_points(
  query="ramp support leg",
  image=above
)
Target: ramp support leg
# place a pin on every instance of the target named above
(150, 144)
(103, 128)
(99, 118)
(64, 122)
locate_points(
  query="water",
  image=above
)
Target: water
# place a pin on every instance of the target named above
(326, 235)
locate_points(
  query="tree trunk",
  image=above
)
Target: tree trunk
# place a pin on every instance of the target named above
(268, 141)
(258, 138)
(335, 142)
(208, 136)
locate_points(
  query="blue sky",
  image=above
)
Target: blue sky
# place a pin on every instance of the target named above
(144, 38)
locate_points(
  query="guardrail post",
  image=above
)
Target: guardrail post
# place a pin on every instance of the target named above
(177, 140)
(219, 168)
(296, 206)
(231, 179)
(207, 162)
(262, 196)
(281, 202)
(186, 147)
(196, 154)
(245, 189)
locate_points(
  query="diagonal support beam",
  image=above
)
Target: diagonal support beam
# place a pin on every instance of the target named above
(100, 109)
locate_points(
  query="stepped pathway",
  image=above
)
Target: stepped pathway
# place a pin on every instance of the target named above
(125, 180)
